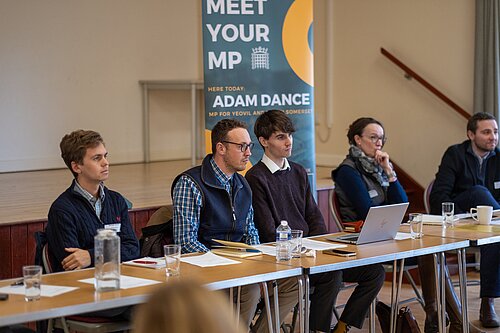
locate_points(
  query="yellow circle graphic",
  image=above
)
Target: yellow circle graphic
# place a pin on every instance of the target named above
(296, 26)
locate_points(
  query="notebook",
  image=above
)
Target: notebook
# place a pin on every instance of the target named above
(381, 223)
(234, 249)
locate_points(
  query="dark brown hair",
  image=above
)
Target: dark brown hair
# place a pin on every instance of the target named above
(75, 144)
(472, 123)
(220, 130)
(357, 127)
(272, 121)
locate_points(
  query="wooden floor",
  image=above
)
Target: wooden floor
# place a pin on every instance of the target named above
(27, 196)
(384, 295)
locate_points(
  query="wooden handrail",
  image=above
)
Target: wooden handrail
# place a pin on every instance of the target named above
(408, 71)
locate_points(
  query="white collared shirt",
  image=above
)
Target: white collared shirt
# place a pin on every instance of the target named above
(273, 167)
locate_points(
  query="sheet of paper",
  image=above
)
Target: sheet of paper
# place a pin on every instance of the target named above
(46, 290)
(147, 262)
(320, 246)
(208, 260)
(402, 235)
(306, 242)
(127, 282)
(270, 250)
(438, 219)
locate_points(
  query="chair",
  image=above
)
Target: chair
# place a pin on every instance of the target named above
(73, 323)
(334, 206)
(427, 194)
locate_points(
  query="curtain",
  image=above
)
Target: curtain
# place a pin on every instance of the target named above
(487, 57)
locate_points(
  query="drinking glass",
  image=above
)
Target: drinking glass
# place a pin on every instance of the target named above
(32, 276)
(416, 225)
(172, 259)
(296, 243)
(448, 213)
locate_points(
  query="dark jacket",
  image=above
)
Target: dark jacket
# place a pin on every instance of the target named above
(221, 216)
(72, 222)
(357, 191)
(458, 172)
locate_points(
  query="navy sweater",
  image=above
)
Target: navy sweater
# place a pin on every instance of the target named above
(283, 195)
(74, 223)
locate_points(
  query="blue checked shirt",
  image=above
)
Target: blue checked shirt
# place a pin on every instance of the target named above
(95, 202)
(187, 201)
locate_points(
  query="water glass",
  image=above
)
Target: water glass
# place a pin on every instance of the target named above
(172, 259)
(448, 213)
(296, 243)
(416, 225)
(32, 276)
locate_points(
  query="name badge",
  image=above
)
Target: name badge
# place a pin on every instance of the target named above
(496, 185)
(373, 193)
(114, 226)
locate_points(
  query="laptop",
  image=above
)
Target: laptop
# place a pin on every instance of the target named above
(382, 223)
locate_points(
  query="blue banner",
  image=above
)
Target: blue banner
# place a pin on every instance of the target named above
(257, 56)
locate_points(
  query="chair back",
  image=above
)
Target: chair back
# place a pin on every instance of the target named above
(42, 252)
(159, 231)
(334, 205)
(427, 194)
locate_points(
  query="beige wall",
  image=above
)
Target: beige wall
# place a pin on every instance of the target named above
(67, 65)
(434, 38)
(76, 64)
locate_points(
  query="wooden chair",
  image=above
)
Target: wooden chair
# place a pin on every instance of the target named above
(73, 323)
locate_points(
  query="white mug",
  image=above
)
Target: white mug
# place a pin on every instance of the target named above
(482, 214)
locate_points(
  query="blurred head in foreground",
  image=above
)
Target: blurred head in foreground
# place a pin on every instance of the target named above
(185, 307)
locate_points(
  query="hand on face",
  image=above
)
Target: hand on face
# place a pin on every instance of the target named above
(382, 158)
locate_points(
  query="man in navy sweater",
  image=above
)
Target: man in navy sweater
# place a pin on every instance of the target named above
(87, 205)
(281, 191)
(469, 175)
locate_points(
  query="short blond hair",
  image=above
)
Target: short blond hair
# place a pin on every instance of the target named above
(185, 307)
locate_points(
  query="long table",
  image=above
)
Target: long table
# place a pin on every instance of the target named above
(393, 251)
(477, 236)
(16, 310)
(251, 270)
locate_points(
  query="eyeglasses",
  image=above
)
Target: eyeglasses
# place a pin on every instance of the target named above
(375, 138)
(243, 146)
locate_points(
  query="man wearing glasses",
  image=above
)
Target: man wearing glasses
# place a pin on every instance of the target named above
(213, 201)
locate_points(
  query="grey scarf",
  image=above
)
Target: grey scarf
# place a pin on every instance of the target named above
(368, 165)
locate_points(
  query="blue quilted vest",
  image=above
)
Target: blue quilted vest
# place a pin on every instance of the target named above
(222, 217)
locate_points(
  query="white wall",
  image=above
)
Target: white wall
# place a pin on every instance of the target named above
(434, 38)
(76, 64)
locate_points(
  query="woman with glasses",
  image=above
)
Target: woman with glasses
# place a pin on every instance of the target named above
(366, 177)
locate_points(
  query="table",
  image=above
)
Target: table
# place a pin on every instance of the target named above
(476, 238)
(373, 253)
(85, 299)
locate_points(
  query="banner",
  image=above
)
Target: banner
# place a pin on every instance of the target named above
(258, 56)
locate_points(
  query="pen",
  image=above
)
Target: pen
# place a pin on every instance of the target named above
(244, 250)
(17, 283)
(145, 262)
